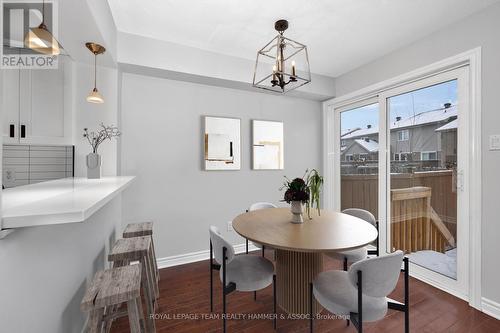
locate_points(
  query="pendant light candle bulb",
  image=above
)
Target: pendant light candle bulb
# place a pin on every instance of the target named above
(293, 67)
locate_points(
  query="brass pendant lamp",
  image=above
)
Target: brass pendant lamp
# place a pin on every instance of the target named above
(95, 96)
(41, 40)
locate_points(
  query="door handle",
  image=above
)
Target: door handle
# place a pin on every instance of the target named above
(12, 130)
(23, 131)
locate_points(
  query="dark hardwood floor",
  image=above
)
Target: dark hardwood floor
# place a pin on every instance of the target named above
(184, 291)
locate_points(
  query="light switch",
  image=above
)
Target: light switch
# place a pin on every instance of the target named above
(495, 142)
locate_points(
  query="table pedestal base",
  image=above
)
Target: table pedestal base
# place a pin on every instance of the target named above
(294, 272)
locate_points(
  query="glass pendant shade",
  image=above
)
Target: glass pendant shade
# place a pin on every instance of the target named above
(42, 41)
(282, 64)
(95, 97)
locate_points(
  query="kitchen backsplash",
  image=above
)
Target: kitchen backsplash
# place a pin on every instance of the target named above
(24, 164)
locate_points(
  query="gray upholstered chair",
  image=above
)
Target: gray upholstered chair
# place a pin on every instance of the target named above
(257, 206)
(242, 273)
(355, 255)
(361, 292)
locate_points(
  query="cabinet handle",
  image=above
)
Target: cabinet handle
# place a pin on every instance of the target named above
(12, 130)
(23, 131)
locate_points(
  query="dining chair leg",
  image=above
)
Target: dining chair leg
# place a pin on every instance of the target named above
(404, 307)
(246, 249)
(345, 264)
(311, 318)
(407, 295)
(224, 251)
(360, 303)
(263, 251)
(211, 280)
(275, 318)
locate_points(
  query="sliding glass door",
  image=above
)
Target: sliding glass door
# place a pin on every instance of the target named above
(426, 154)
(359, 154)
(402, 156)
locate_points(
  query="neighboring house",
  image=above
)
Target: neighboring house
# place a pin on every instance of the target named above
(417, 138)
(448, 143)
(361, 150)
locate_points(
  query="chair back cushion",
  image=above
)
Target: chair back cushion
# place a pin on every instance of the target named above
(218, 242)
(380, 274)
(362, 214)
(261, 205)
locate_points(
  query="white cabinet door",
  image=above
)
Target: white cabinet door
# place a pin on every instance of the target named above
(10, 105)
(43, 117)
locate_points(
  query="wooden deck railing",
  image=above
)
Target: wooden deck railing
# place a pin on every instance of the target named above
(361, 191)
(414, 224)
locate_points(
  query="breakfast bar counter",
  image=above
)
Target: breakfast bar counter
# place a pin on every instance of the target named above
(67, 200)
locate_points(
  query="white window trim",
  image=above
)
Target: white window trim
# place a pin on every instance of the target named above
(403, 153)
(331, 122)
(402, 132)
(428, 152)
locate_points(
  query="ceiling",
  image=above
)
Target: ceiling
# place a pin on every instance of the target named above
(340, 34)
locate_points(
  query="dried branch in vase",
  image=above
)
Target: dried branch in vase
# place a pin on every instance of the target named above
(96, 138)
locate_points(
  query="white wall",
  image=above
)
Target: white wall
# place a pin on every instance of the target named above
(162, 144)
(478, 30)
(45, 271)
(196, 65)
(92, 115)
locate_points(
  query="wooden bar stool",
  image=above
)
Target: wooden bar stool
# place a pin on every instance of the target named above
(127, 250)
(110, 288)
(142, 229)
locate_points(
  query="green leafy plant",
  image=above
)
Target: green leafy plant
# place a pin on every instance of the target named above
(314, 182)
(306, 189)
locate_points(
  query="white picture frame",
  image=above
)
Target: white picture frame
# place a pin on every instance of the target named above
(222, 143)
(268, 145)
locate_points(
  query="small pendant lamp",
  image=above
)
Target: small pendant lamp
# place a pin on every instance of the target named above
(95, 96)
(41, 40)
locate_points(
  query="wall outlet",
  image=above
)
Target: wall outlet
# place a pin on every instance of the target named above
(9, 177)
(230, 226)
(495, 142)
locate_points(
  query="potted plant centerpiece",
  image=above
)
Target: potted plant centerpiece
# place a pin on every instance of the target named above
(314, 183)
(299, 192)
(95, 139)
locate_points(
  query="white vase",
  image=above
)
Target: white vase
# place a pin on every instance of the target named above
(297, 211)
(93, 166)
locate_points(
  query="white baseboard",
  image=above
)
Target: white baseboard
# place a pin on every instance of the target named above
(490, 307)
(188, 258)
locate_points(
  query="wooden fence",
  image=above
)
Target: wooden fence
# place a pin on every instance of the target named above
(361, 191)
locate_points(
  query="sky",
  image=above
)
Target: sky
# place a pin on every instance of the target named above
(404, 106)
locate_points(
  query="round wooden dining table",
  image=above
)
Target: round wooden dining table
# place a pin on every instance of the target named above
(299, 247)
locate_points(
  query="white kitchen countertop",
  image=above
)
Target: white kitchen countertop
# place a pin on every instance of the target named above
(67, 200)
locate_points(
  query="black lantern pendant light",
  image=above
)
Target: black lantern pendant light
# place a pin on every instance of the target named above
(283, 64)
